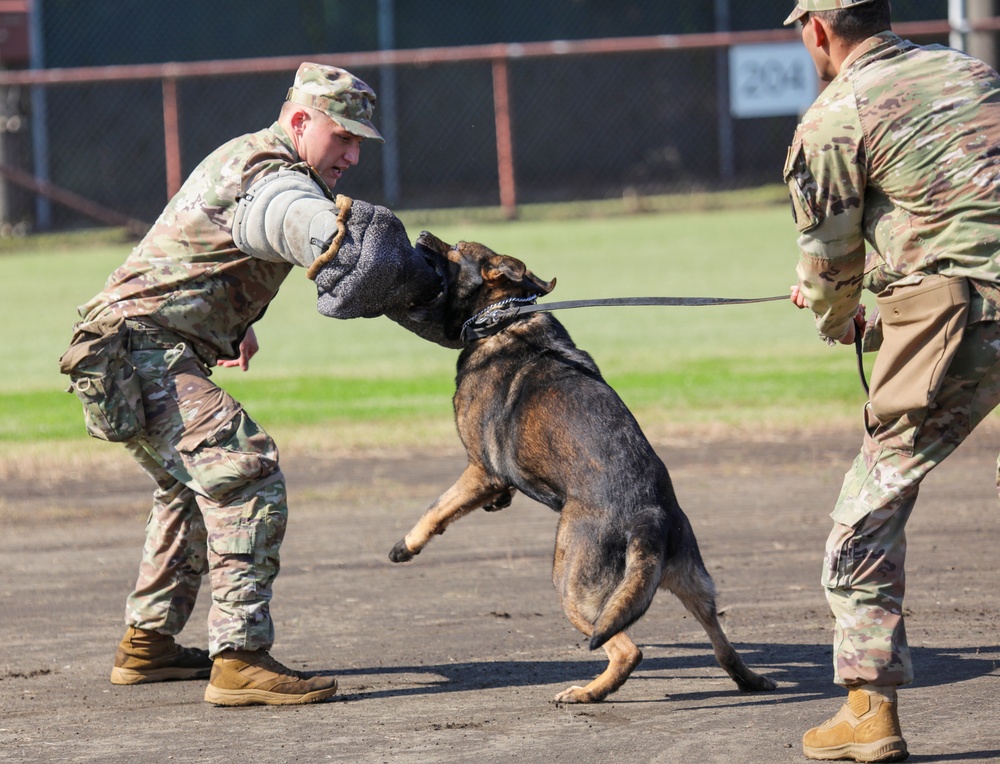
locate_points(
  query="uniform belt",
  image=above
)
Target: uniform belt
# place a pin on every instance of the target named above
(145, 337)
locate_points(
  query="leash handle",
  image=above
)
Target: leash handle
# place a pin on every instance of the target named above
(859, 327)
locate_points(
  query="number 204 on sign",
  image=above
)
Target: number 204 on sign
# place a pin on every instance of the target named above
(771, 80)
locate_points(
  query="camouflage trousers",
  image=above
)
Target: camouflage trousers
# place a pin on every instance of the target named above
(864, 563)
(219, 507)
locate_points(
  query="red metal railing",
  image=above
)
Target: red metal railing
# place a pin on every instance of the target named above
(499, 55)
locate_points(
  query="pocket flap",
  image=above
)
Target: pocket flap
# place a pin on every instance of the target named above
(92, 345)
(802, 189)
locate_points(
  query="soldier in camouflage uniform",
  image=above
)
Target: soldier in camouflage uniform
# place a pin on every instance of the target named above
(899, 149)
(187, 296)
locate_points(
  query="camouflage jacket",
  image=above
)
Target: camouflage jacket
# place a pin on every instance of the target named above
(187, 275)
(901, 149)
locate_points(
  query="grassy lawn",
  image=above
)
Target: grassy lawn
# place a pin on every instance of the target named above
(369, 381)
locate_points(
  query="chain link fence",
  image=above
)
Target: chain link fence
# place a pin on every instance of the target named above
(583, 126)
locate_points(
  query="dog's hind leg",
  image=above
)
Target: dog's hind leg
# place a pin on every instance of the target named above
(688, 579)
(623, 657)
(472, 490)
(586, 586)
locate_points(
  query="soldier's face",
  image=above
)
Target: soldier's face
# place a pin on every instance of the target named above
(328, 148)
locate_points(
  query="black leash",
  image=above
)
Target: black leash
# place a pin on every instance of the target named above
(492, 319)
(858, 337)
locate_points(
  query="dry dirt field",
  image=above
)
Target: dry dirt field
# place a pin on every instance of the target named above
(456, 656)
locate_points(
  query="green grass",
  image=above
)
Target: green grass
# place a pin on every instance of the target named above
(758, 365)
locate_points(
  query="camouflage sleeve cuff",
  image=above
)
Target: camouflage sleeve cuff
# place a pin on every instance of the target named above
(832, 289)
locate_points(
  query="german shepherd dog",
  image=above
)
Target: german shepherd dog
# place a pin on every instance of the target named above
(536, 416)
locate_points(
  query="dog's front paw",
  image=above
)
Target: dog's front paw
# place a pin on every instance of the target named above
(401, 553)
(575, 694)
(501, 502)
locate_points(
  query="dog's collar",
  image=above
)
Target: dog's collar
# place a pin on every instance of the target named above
(491, 320)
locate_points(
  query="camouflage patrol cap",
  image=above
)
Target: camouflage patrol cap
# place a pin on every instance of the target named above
(808, 6)
(338, 94)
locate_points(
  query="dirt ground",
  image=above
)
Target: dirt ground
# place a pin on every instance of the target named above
(456, 656)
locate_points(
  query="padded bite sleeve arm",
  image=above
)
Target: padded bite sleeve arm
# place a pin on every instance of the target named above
(371, 269)
(285, 216)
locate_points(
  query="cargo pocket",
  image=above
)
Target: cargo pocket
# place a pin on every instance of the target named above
(232, 570)
(240, 541)
(233, 455)
(112, 403)
(922, 327)
(105, 381)
(246, 555)
(802, 189)
(839, 557)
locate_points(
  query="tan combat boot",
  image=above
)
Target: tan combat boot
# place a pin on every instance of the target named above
(249, 678)
(866, 728)
(148, 656)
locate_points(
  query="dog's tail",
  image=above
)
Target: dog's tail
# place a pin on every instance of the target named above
(634, 593)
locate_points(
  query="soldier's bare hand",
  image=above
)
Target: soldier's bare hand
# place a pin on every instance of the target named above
(248, 349)
(856, 326)
(798, 299)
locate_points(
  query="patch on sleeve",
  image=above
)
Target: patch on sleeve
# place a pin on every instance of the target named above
(802, 189)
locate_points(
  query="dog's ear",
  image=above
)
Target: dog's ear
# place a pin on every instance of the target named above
(542, 286)
(500, 271)
(433, 243)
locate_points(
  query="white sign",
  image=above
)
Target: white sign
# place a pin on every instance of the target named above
(771, 80)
